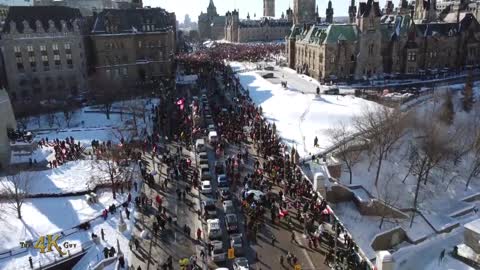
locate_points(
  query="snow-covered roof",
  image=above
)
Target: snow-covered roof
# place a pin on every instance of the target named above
(473, 226)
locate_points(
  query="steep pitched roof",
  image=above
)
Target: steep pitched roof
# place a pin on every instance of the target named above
(44, 14)
(132, 20)
(344, 32)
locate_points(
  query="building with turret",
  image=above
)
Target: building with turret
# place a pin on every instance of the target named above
(376, 44)
(265, 29)
(304, 11)
(268, 8)
(329, 13)
(210, 24)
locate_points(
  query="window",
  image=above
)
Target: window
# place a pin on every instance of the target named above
(69, 60)
(33, 64)
(67, 46)
(411, 56)
(29, 48)
(56, 59)
(45, 63)
(139, 44)
(55, 47)
(124, 71)
(43, 48)
(20, 66)
(16, 49)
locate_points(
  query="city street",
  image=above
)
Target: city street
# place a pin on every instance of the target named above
(261, 251)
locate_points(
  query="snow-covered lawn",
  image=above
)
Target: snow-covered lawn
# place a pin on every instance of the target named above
(91, 123)
(441, 199)
(73, 176)
(50, 215)
(300, 117)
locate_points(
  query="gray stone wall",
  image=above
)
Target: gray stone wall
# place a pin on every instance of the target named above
(44, 81)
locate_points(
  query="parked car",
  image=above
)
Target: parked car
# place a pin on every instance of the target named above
(206, 187)
(222, 181)
(231, 222)
(236, 242)
(214, 230)
(209, 208)
(228, 207)
(218, 253)
(241, 263)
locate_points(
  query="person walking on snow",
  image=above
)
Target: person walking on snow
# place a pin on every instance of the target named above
(315, 142)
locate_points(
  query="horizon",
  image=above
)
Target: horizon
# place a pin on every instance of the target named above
(252, 7)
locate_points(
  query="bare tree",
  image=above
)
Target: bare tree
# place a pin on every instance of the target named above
(427, 151)
(387, 195)
(346, 150)
(381, 127)
(108, 162)
(15, 189)
(474, 169)
(105, 91)
(68, 116)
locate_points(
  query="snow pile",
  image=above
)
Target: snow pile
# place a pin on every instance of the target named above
(40, 154)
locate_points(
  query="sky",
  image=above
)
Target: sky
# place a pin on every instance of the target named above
(194, 7)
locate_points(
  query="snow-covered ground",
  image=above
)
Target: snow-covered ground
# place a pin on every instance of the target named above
(441, 200)
(300, 116)
(49, 216)
(73, 176)
(44, 216)
(89, 123)
(39, 154)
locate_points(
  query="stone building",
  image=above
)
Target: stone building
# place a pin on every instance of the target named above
(210, 24)
(87, 7)
(268, 8)
(266, 29)
(377, 44)
(43, 51)
(304, 11)
(134, 45)
(7, 121)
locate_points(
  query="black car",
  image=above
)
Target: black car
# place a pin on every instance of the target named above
(209, 208)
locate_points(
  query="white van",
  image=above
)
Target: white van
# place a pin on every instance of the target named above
(213, 228)
(212, 136)
(200, 145)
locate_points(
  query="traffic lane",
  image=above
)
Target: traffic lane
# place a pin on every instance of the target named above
(218, 204)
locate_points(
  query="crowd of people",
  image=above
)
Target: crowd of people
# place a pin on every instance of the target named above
(65, 150)
(294, 199)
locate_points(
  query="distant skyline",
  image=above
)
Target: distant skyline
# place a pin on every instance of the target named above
(194, 7)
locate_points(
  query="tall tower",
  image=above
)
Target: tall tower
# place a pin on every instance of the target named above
(211, 10)
(352, 12)
(269, 8)
(329, 12)
(303, 11)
